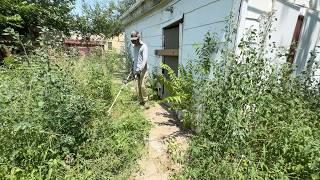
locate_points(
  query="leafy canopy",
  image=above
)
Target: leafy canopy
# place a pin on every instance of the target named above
(26, 16)
(101, 20)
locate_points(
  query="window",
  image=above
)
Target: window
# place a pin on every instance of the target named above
(109, 45)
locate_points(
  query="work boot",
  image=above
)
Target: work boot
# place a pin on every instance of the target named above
(145, 105)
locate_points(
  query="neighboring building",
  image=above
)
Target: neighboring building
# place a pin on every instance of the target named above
(172, 27)
(115, 43)
(87, 46)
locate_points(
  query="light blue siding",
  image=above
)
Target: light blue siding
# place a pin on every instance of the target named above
(308, 39)
(200, 17)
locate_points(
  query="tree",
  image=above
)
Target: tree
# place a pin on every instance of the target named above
(26, 16)
(123, 5)
(99, 20)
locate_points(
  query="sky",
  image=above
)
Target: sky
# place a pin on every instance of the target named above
(78, 5)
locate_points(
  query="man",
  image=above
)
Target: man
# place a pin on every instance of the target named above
(140, 66)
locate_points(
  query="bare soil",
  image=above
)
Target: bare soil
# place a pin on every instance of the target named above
(157, 164)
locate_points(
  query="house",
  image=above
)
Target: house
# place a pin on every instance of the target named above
(172, 27)
(116, 43)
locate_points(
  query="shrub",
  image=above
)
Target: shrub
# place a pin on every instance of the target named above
(43, 117)
(54, 125)
(255, 120)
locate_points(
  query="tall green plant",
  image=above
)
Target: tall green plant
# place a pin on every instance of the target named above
(53, 120)
(255, 120)
(42, 118)
(180, 87)
(26, 16)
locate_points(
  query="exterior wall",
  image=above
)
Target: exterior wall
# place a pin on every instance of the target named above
(117, 43)
(199, 17)
(286, 13)
(309, 40)
(317, 60)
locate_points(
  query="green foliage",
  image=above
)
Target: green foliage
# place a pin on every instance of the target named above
(254, 119)
(53, 120)
(96, 21)
(124, 5)
(101, 20)
(117, 143)
(153, 86)
(54, 124)
(42, 117)
(180, 87)
(26, 16)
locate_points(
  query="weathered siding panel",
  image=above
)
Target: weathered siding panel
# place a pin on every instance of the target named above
(286, 13)
(287, 16)
(308, 39)
(285, 19)
(153, 41)
(196, 35)
(200, 21)
(317, 60)
(283, 28)
(211, 13)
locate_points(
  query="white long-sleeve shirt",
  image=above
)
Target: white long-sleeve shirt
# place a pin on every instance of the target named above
(140, 56)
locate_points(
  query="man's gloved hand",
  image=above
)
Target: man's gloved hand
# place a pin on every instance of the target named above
(125, 81)
(137, 74)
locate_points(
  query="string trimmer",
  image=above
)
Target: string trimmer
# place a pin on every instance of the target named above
(125, 83)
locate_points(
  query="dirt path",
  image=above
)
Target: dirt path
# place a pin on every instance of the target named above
(157, 163)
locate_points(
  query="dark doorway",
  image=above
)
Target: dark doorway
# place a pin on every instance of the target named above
(171, 44)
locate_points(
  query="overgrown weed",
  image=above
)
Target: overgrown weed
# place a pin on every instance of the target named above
(254, 119)
(54, 123)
